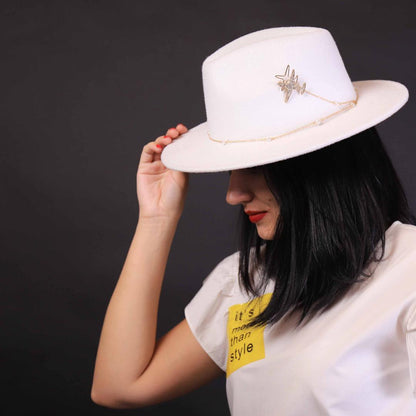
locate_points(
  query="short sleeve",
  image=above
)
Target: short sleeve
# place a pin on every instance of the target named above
(411, 345)
(207, 312)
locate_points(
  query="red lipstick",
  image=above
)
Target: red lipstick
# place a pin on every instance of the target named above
(255, 216)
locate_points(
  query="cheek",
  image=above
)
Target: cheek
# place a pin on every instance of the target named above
(271, 200)
(276, 209)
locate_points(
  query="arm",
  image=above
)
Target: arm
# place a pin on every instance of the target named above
(131, 369)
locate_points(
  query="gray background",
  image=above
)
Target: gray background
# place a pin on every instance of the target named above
(84, 85)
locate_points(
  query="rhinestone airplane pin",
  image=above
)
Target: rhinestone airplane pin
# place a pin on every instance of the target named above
(288, 83)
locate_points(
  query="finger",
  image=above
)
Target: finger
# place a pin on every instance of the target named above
(149, 152)
(181, 128)
(172, 132)
(163, 140)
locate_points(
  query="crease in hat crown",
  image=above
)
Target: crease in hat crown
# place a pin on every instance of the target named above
(243, 100)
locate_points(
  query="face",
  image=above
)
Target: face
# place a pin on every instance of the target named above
(248, 187)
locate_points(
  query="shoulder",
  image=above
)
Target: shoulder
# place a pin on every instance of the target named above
(401, 248)
(229, 263)
(224, 274)
(399, 260)
(401, 239)
(398, 227)
(227, 266)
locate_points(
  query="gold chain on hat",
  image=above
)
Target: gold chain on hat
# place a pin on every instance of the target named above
(288, 83)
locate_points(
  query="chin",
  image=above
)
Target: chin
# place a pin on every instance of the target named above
(265, 235)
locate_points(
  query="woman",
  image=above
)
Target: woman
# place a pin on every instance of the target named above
(316, 313)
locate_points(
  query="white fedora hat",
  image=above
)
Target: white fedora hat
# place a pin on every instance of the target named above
(278, 93)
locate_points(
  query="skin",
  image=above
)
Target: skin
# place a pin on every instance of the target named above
(132, 368)
(248, 187)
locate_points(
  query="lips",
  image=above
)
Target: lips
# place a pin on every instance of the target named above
(255, 216)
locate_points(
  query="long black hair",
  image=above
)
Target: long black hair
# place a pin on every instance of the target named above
(335, 206)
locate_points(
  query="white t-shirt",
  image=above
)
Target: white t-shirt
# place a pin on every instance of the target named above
(356, 359)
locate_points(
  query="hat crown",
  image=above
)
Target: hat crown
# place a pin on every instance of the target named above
(244, 100)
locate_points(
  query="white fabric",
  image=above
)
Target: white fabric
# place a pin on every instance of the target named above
(194, 152)
(243, 101)
(242, 98)
(357, 359)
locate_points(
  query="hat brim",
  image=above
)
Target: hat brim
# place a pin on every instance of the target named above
(195, 152)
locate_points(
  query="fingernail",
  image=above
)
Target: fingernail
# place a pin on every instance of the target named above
(159, 146)
(165, 137)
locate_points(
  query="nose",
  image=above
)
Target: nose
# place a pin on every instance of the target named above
(238, 189)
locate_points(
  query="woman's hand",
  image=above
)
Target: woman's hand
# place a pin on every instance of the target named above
(160, 191)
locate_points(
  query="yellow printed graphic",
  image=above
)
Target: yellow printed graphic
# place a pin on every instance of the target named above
(245, 344)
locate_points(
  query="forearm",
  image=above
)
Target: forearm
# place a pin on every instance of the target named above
(129, 331)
